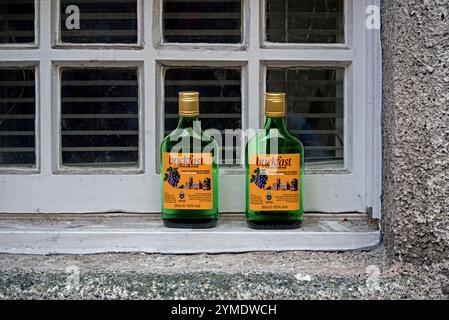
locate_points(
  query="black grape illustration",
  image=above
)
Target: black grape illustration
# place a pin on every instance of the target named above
(294, 185)
(206, 184)
(172, 177)
(259, 178)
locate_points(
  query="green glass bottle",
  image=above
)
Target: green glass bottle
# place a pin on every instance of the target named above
(274, 172)
(189, 171)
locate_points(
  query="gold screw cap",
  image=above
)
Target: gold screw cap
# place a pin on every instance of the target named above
(275, 104)
(189, 104)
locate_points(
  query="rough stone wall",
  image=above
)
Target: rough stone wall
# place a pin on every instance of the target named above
(257, 275)
(415, 39)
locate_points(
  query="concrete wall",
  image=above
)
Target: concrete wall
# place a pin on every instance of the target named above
(415, 40)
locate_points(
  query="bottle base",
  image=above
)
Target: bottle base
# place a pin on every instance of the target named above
(190, 223)
(274, 224)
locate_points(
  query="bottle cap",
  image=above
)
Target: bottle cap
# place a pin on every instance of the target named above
(189, 105)
(275, 105)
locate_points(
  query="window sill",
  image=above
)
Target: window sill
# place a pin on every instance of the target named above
(120, 233)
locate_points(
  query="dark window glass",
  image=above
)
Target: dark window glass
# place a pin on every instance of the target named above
(305, 21)
(220, 100)
(112, 21)
(16, 21)
(203, 21)
(315, 107)
(17, 117)
(100, 117)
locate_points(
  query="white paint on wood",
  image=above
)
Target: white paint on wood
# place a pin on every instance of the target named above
(374, 118)
(96, 234)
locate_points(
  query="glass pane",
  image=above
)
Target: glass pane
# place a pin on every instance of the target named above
(112, 21)
(315, 109)
(305, 21)
(220, 102)
(203, 21)
(100, 117)
(17, 117)
(16, 21)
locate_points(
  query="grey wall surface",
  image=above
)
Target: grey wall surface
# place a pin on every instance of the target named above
(415, 39)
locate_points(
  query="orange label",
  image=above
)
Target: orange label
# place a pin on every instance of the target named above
(274, 182)
(188, 181)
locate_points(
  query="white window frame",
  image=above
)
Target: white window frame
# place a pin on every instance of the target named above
(32, 45)
(32, 169)
(355, 188)
(158, 38)
(58, 43)
(59, 167)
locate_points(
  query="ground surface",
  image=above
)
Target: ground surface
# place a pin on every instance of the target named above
(289, 275)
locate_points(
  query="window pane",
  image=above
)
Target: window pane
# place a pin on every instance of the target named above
(16, 21)
(17, 117)
(112, 21)
(100, 117)
(315, 107)
(203, 21)
(220, 101)
(305, 21)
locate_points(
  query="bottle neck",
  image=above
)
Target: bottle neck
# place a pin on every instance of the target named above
(187, 122)
(276, 123)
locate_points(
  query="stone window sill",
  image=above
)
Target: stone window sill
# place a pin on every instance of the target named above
(122, 233)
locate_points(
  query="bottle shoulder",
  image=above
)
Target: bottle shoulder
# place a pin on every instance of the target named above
(295, 140)
(265, 136)
(188, 137)
(207, 138)
(178, 135)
